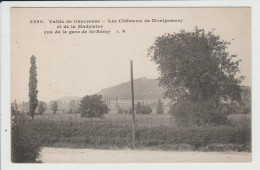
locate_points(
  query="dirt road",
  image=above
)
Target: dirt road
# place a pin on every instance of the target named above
(66, 155)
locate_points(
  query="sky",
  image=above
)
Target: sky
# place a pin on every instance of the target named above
(82, 64)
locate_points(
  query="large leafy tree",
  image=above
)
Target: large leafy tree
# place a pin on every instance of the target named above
(92, 106)
(196, 66)
(33, 101)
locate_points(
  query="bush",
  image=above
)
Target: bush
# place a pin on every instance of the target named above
(160, 107)
(24, 144)
(116, 133)
(238, 108)
(196, 137)
(146, 109)
(189, 113)
(121, 111)
(138, 107)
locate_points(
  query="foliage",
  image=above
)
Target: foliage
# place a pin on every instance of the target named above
(240, 120)
(196, 65)
(142, 108)
(121, 111)
(73, 107)
(196, 68)
(146, 109)
(189, 113)
(159, 107)
(42, 107)
(92, 106)
(130, 111)
(70, 111)
(138, 107)
(245, 104)
(25, 144)
(33, 101)
(156, 131)
(54, 107)
(194, 136)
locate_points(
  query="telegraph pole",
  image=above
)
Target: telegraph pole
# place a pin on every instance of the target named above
(133, 104)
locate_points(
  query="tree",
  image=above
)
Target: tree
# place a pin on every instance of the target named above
(42, 107)
(25, 144)
(73, 106)
(70, 111)
(33, 101)
(146, 109)
(196, 66)
(54, 107)
(120, 110)
(159, 107)
(138, 107)
(92, 106)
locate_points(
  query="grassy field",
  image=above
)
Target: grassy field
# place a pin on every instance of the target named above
(152, 131)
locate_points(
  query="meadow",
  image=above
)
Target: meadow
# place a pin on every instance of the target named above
(152, 132)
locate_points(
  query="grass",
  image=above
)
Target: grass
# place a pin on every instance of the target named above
(119, 119)
(152, 131)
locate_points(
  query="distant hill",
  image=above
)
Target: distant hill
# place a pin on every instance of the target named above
(67, 99)
(143, 88)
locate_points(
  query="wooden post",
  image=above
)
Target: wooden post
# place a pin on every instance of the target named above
(133, 105)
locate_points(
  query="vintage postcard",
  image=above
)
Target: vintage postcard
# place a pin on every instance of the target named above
(131, 84)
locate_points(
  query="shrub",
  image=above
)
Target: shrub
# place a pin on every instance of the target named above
(70, 111)
(121, 111)
(160, 107)
(138, 107)
(238, 108)
(42, 107)
(25, 145)
(116, 133)
(189, 113)
(146, 109)
(54, 107)
(130, 111)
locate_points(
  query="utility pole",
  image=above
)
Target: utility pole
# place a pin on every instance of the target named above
(133, 104)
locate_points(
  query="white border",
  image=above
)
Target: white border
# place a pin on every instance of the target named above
(5, 84)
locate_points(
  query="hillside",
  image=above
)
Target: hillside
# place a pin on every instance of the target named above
(143, 88)
(67, 99)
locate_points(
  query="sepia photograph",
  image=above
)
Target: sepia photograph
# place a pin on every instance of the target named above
(131, 85)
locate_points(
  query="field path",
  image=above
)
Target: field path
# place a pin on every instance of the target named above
(67, 155)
